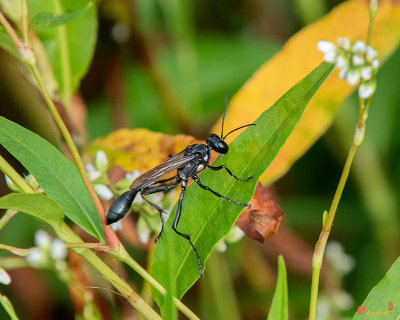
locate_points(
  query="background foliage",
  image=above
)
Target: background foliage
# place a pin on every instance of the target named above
(165, 66)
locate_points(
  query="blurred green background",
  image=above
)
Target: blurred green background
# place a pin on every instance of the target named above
(165, 65)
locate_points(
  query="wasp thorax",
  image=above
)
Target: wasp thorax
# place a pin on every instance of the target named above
(217, 144)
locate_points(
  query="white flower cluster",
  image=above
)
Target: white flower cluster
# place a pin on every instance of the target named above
(357, 62)
(48, 253)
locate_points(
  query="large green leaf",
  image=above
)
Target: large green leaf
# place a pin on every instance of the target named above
(55, 173)
(383, 296)
(36, 205)
(279, 306)
(208, 218)
(69, 46)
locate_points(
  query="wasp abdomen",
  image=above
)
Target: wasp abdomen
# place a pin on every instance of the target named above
(121, 206)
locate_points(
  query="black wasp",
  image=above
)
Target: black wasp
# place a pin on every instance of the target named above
(188, 163)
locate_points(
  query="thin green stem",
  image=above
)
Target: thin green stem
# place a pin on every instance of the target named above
(18, 181)
(126, 258)
(65, 60)
(323, 238)
(7, 305)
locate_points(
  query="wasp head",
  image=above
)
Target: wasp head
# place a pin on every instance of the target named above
(217, 144)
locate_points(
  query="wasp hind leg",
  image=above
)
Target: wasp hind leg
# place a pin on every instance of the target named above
(176, 221)
(158, 208)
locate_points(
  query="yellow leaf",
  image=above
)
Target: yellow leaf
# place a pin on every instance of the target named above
(140, 149)
(299, 57)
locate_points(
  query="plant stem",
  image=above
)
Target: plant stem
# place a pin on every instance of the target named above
(323, 238)
(126, 258)
(6, 303)
(18, 181)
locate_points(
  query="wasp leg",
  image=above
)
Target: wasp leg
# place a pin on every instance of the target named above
(159, 209)
(197, 179)
(229, 172)
(169, 179)
(176, 221)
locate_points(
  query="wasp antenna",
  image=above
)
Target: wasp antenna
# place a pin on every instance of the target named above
(223, 118)
(247, 125)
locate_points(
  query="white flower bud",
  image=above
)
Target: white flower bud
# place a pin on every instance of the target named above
(143, 231)
(36, 258)
(42, 239)
(103, 191)
(359, 47)
(116, 226)
(220, 246)
(4, 277)
(366, 90)
(101, 161)
(341, 62)
(330, 56)
(132, 175)
(352, 77)
(234, 235)
(366, 73)
(371, 54)
(344, 43)
(58, 250)
(357, 60)
(375, 64)
(343, 300)
(11, 184)
(343, 73)
(325, 46)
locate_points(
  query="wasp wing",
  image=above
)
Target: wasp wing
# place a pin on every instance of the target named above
(152, 176)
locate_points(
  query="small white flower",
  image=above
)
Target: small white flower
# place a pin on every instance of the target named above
(42, 239)
(375, 64)
(343, 300)
(103, 191)
(58, 250)
(323, 308)
(341, 62)
(330, 56)
(366, 90)
(343, 73)
(116, 226)
(359, 47)
(371, 54)
(234, 235)
(143, 231)
(93, 174)
(132, 175)
(11, 184)
(357, 60)
(344, 43)
(352, 77)
(220, 246)
(341, 261)
(101, 161)
(4, 277)
(325, 46)
(36, 258)
(366, 73)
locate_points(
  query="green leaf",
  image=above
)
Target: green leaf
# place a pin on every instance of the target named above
(55, 173)
(70, 48)
(48, 19)
(384, 293)
(37, 205)
(279, 305)
(208, 218)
